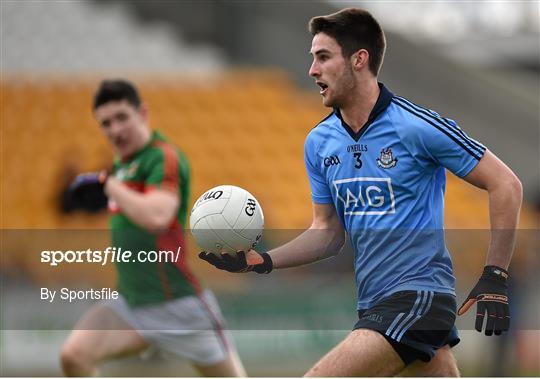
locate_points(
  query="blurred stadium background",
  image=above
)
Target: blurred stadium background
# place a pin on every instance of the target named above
(227, 82)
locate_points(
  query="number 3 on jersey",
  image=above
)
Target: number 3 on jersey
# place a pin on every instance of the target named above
(358, 163)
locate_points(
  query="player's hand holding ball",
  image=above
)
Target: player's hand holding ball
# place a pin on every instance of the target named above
(240, 262)
(227, 222)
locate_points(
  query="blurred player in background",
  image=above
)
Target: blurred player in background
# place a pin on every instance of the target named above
(161, 304)
(376, 167)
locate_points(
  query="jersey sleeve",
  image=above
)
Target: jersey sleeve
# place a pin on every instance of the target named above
(441, 142)
(320, 192)
(163, 171)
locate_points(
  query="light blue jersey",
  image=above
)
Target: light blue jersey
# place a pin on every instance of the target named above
(387, 183)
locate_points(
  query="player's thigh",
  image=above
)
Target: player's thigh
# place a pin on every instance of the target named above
(231, 366)
(443, 364)
(363, 352)
(192, 328)
(102, 334)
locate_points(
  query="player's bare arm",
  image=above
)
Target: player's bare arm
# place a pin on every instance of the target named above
(324, 238)
(505, 196)
(153, 210)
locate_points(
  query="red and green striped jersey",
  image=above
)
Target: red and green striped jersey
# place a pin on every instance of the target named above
(159, 165)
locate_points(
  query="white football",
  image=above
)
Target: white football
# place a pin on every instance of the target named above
(226, 219)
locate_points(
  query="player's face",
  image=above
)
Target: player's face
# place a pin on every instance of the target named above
(332, 72)
(123, 125)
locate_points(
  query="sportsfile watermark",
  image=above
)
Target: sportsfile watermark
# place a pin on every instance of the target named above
(50, 278)
(109, 255)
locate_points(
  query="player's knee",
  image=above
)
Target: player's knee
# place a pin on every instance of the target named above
(448, 370)
(445, 366)
(74, 361)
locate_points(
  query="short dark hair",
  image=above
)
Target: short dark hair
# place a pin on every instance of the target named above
(353, 29)
(116, 90)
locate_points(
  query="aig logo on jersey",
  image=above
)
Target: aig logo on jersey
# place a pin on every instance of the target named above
(332, 160)
(366, 196)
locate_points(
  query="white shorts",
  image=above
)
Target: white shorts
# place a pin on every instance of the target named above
(190, 327)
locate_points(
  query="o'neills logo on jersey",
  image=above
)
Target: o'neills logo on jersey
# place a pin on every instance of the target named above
(128, 172)
(366, 196)
(386, 160)
(132, 169)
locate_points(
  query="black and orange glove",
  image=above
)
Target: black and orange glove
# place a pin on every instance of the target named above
(241, 262)
(491, 296)
(87, 191)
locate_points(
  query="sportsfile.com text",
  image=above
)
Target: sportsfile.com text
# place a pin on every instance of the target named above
(109, 255)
